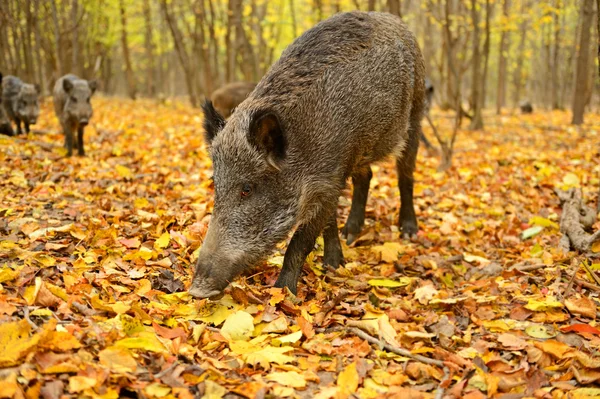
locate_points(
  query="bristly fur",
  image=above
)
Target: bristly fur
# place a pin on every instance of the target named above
(213, 122)
(348, 92)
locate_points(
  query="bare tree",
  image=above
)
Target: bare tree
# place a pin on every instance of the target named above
(476, 92)
(130, 77)
(581, 77)
(394, 7)
(501, 92)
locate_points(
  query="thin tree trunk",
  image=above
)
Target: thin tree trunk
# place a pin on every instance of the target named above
(371, 5)
(130, 77)
(318, 5)
(75, 65)
(518, 73)
(57, 52)
(203, 46)
(149, 47)
(230, 61)
(555, 57)
(581, 79)
(38, 47)
(394, 7)
(501, 93)
(477, 122)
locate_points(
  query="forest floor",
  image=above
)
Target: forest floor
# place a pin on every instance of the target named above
(96, 254)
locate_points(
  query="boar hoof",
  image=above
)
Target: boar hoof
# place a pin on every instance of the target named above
(333, 258)
(284, 281)
(351, 231)
(409, 229)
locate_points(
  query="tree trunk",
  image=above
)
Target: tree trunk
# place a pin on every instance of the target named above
(477, 121)
(230, 61)
(581, 77)
(555, 57)
(57, 49)
(130, 77)
(518, 73)
(501, 93)
(203, 47)
(38, 48)
(371, 5)
(75, 65)
(293, 15)
(149, 47)
(394, 7)
(486, 51)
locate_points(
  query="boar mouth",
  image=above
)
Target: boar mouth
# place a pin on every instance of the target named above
(200, 292)
(206, 287)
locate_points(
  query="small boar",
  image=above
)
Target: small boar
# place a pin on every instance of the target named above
(226, 98)
(20, 102)
(526, 107)
(348, 92)
(5, 127)
(73, 108)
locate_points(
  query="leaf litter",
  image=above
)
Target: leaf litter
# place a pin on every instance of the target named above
(96, 254)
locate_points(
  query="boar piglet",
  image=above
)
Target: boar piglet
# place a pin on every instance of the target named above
(20, 102)
(73, 108)
(347, 93)
(5, 126)
(227, 98)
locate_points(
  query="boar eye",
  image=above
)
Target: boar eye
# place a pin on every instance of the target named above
(74, 99)
(246, 190)
(88, 100)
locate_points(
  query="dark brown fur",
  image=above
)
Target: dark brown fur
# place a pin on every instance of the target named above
(345, 94)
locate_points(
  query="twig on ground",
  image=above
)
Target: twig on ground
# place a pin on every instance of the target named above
(330, 305)
(439, 393)
(26, 315)
(528, 268)
(394, 349)
(164, 372)
(570, 285)
(587, 285)
(84, 310)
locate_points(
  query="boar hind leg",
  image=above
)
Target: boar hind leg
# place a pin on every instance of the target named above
(69, 140)
(301, 244)
(26, 127)
(405, 166)
(361, 180)
(18, 122)
(333, 255)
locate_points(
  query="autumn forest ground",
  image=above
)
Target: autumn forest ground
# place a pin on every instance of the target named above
(96, 254)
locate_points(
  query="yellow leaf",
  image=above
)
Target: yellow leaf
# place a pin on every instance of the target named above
(7, 274)
(288, 339)
(118, 360)
(539, 331)
(277, 295)
(596, 246)
(474, 258)
(278, 325)
(499, 325)
(140, 203)
(162, 242)
(124, 171)
(570, 180)
(143, 340)
(287, 378)
(238, 326)
(385, 282)
(583, 306)
(540, 221)
(347, 380)
(79, 383)
(157, 390)
(555, 348)
(389, 251)
(212, 390)
(255, 355)
(543, 304)
(15, 342)
(387, 332)
(59, 341)
(9, 386)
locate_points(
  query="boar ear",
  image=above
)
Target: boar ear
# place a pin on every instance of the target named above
(213, 122)
(67, 85)
(93, 84)
(266, 133)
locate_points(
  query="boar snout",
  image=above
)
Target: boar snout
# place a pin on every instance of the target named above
(84, 122)
(207, 283)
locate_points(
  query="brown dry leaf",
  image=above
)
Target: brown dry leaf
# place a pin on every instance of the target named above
(583, 306)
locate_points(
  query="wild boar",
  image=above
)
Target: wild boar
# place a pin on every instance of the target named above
(20, 102)
(226, 98)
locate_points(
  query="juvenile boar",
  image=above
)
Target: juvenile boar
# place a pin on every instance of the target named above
(20, 102)
(5, 127)
(348, 92)
(226, 98)
(526, 107)
(73, 108)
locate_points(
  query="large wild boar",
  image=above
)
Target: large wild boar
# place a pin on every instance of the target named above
(348, 92)
(5, 127)
(20, 102)
(226, 98)
(73, 108)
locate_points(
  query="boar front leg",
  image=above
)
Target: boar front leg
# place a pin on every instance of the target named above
(80, 149)
(68, 139)
(300, 246)
(405, 166)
